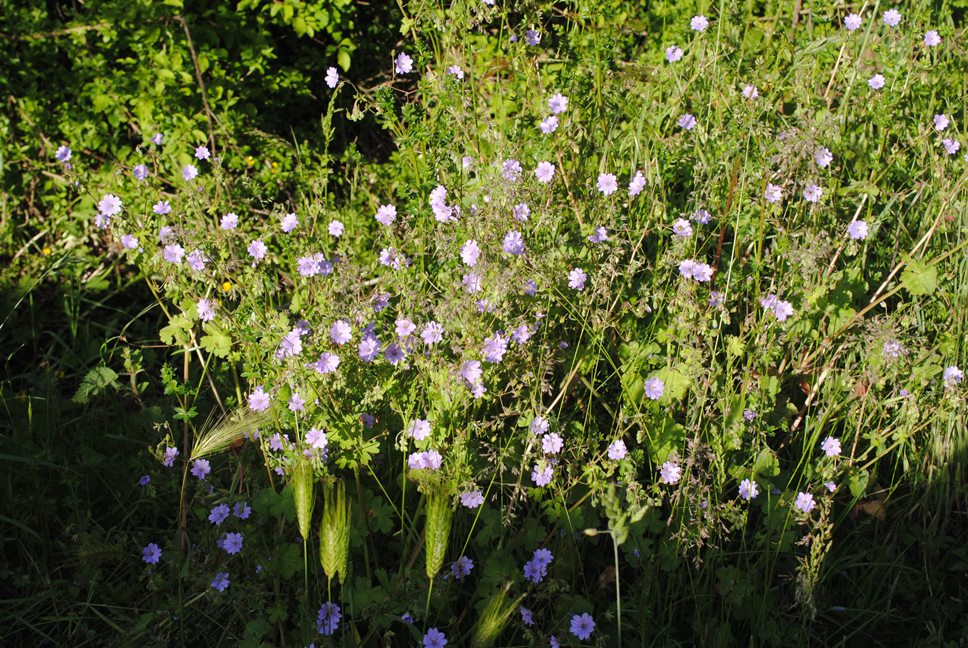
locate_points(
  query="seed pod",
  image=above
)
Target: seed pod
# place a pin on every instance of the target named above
(304, 495)
(437, 530)
(334, 531)
(494, 618)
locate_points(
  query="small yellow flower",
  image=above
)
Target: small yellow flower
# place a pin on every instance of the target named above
(227, 286)
(249, 160)
(46, 251)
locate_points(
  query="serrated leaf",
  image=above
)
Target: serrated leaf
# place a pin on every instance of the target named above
(94, 382)
(919, 278)
(217, 342)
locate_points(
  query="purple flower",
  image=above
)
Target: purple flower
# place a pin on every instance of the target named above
(201, 468)
(156, 139)
(140, 172)
(63, 154)
(144, 480)
(169, 459)
(206, 310)
(456, 71)
(673, 53)
(202, 153)
(189, 172)
(857, 230)
(173, 253)
(812, 193)
(654, 388)
(521, 212)
(511, 171)
(229, 221)
(932, 39)
(687, 121)
(691, 269)
(469, 253)
(526, 617)
(221, 581)
(582, 626)
(823, 157)
(749, 414)
(332, 77)
(521, 334)
(335, 228)
(196, 260)
(617, 450)
(532, 37)
(257, 250)
(386, 214)
(472, 499)
(750, 92)
(876, 82)
(952, 376)
(558, 103)
(552, 443)
(405, 328)
(951, 146)
(461, 568)
(576, 279)
(259, 401)
(831, 447)
(434, 639)
(670, 473)
(530, 288)
(232, 543)
(128, 241)
(539, 425)
(109, 206)
(419, 429)
(494, 348)
(443, 213)
(369, 348)
(636, 184)
(316, 438)
(892, 17)
(432, 333)
(682, 228)
(805, 502)
(328, 617)
(773, 193)
(296, 403)
(699, 23)
(289, 223)
(513, 243)
(599, 235)
(607, 183)
(472, 282)
(715, 299)
(941, 122)
(241, 510)
(151, 553)
(548, 125)
(340, 332)
(471, 371)
(748, 490)
(545, 171)
(852, 22)
(403, 64)
(428, 460)
(219, 514)
(542, 474)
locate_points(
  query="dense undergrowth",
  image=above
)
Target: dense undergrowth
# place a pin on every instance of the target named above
(572, 323)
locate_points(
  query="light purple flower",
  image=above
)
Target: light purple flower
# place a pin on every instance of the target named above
(336, 228)
(332, 77)
(654, 388)
(221, 581)
(434, 639)
(232, 543)
(952, 376)
(63, 154)
(173, 253)
(582, 626)
(526, 617)
(140, 172)
(548, 125)
(673, 53)
(259, 401)
(386, 214)
(542, 475)
(951, 146)
(513, 243)
(857, 230)
(748, 490)
(691, 269)
(511, 170)
(472, 282)
(773, 193)
(419, 429)
(219, 514)
(156, 139)
(831, 447)
(169, 459)
(532, 37)
(521, 212)
(576, 279)
(545, 172)
(327, 363)
(289, 223)
(161, 207)
(552, 443)
(617, 450)
(229, 221)
(109, 206)
(432, 333)
(941, 122)
(341, 332)
(189, 172)
(202, 153)
(599, 235)
(196, 260)
(701, 216)
(428, 460)
(853, 22)
(805, 502)
(823, 157)
(636, 184)
(607, 183)
(670, 473)
(128, 241)
(369, 348)
(316, 438)
(539, 425)
(494, 349)
(472, 499)
(699, 23)
(469, 253)
(257, 250)
(206, 310)
(682, 228)
(932, 39)
(876, 82)
(151, 553)
(403, 64)
(327, 619)
(687, 122)
(201, 468)
(296, 403)
(750, 92)
(892, 17)
(812, 193)
(558, 103)
(456, 71)
(461, 568)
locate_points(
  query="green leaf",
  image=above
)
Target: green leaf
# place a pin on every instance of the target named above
(919, 278)
(288, 560)
(217, 342)
(857, 483)
(94, 382)
(766, 464)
